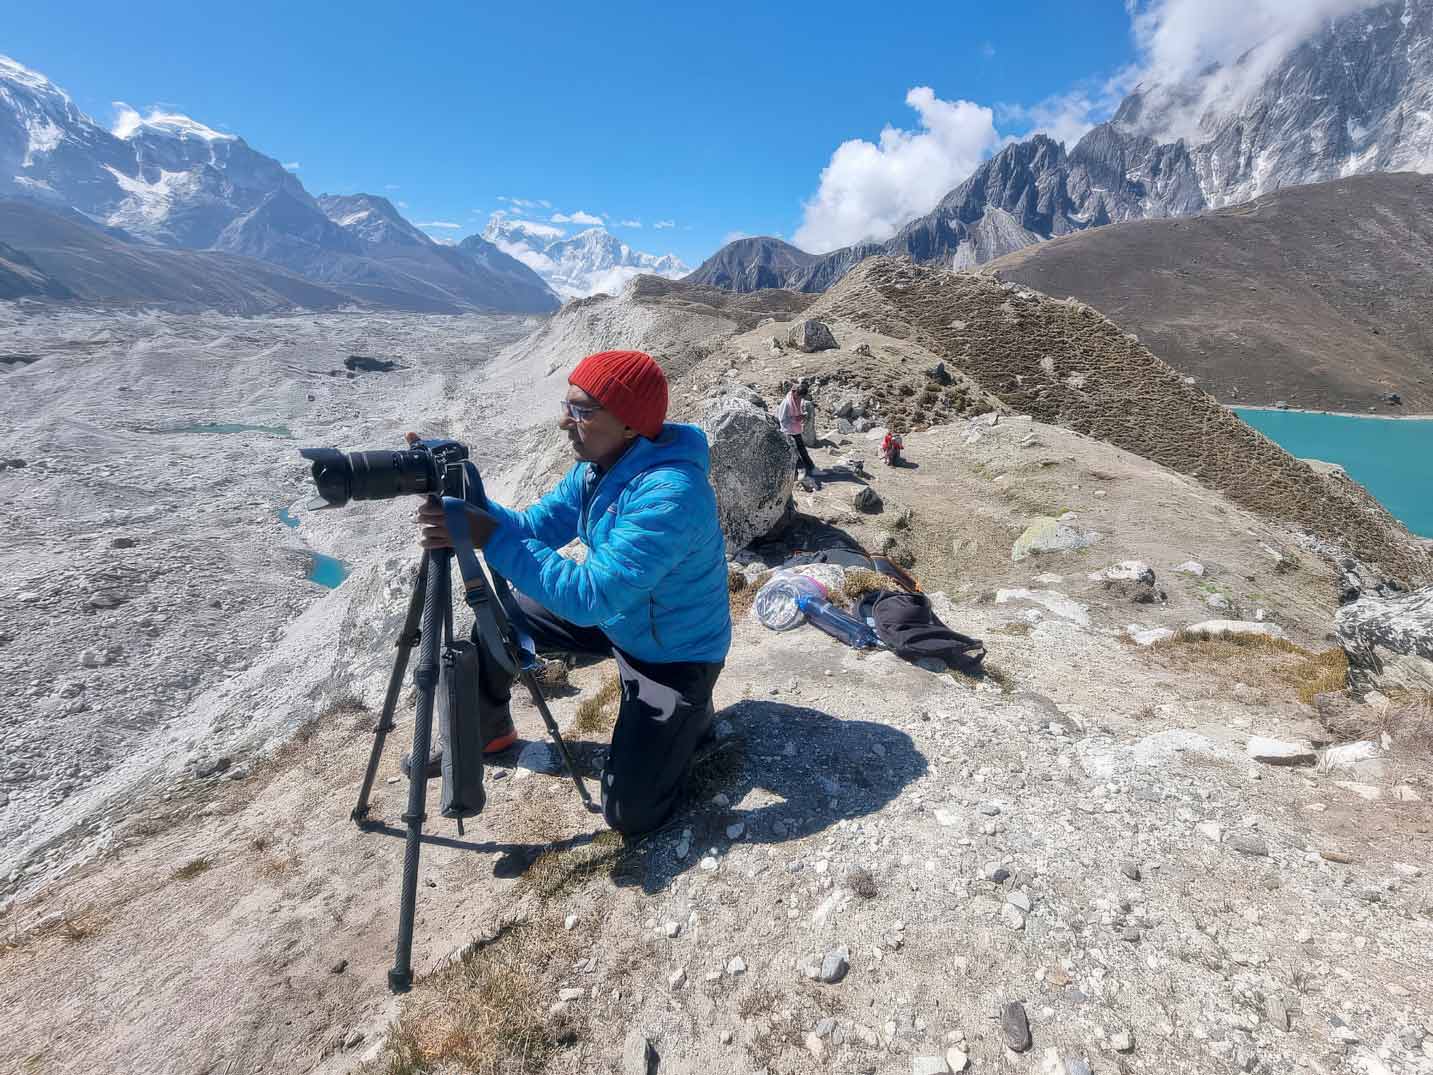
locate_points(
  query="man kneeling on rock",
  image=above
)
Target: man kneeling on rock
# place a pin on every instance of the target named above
(652, 591)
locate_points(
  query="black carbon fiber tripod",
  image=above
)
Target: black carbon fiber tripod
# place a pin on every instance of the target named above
(429, 626)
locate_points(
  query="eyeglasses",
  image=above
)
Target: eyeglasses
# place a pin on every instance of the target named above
(576, 411)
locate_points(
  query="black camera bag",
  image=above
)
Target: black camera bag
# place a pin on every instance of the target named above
(459, 731)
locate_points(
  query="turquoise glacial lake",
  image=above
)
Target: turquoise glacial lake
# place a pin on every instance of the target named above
(1391, 458)
(324, 570)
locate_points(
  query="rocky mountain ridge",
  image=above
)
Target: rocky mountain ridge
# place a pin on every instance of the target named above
(167, 180)
(1353, 99)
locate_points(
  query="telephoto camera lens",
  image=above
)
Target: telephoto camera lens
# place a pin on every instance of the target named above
(341, 477)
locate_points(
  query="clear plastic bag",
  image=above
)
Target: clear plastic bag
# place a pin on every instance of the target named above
(777, 602)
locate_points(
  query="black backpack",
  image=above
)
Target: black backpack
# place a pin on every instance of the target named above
(906, 623)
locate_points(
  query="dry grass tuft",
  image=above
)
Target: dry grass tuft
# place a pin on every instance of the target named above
(742, 598)
(192, 869)
(71, 926)
(483, 1012)
(342, 702)
(1274, 664)
(861, 581)
(1017, 629)
(556, 872)
(859, 880)
(1409, 719)
(598, 713)
(718, 771)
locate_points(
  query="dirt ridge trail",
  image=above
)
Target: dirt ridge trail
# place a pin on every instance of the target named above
(1087, 838)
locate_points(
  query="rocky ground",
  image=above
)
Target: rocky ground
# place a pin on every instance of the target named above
(145, 565)
(1077, 864)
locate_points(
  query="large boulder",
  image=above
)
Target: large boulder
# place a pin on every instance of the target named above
(810, 336)
(753, 469)
(1389, 640)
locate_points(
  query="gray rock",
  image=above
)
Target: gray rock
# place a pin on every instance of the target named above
(1130, 870)
(1016, 1026)
(867, 500)
(1122, 1041)
(1276, 1013)
(1076, 1067)
(809, 335)
(929, 1065)
(1246, 843)
(753, 468)
(1389, 640)
(835, 964)
(1125, 571)
(639, 1054)
(1279, 752)
(1131, 934)
(1050, 535)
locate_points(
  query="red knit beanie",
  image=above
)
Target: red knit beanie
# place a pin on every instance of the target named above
(629, 384)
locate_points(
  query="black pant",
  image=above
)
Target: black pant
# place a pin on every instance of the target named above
(801, 452)
(666, 711)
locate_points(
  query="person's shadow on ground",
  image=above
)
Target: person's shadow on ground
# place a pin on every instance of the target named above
(790, 771)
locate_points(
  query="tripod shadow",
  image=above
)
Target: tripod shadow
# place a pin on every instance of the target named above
(513, 858)
(795, 771)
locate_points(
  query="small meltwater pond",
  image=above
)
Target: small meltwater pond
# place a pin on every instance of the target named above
(324, 570)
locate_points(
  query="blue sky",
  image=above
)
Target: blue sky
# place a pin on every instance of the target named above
(715, 119)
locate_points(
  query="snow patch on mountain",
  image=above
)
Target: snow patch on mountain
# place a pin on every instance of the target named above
(128, 123)
(592, 261)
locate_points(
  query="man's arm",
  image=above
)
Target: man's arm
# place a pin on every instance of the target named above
(649, 537)
(552, 520)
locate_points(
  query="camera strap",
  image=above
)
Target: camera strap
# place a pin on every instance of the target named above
(456, 515)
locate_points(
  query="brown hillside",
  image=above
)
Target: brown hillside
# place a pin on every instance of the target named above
(1317, 295)
(1064, 363)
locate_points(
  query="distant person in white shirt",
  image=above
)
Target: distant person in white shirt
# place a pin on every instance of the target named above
(792, 418)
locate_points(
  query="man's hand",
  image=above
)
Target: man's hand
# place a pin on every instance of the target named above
(433, 527)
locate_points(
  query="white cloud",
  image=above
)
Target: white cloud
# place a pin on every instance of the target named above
(1065, 117)
(987, 50)
(665, 224)
(629, 223)
(868, 190)
(402, 205)
(1198, 54)
(590, 220)
(440, 224)
(526, 203)
(293, 166)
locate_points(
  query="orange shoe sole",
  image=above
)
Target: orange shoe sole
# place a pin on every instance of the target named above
(501, 743)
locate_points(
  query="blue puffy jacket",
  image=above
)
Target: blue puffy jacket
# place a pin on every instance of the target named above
(655, 577)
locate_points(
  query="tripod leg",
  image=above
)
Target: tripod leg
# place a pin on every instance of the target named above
(535, 689)
(406, 640)
(437, 598)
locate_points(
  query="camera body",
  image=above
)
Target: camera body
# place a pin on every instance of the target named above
(421, 469)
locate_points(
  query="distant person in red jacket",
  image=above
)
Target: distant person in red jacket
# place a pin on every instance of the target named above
(891, 446)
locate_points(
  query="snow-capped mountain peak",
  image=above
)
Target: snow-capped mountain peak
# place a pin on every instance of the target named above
(130, 124)
(577, 265)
